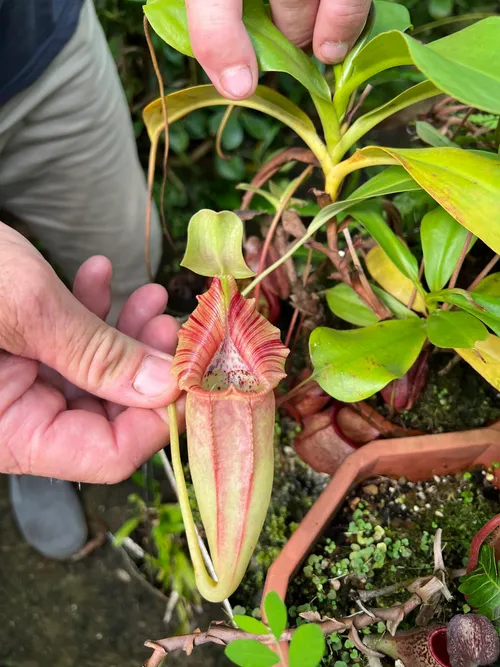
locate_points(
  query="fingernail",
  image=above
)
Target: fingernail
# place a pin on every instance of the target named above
(237, 81)
(334, 52)
(153, 377)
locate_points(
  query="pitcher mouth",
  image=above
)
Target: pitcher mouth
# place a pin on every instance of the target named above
(226, 346)
(438, 646)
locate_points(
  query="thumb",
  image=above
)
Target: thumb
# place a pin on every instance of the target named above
(44, 321)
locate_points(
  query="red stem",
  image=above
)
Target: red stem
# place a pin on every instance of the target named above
(478, 540)
(291, 327)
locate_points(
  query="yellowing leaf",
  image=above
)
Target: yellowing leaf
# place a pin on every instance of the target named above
(465, 183)
(391, 279)
(180, 103)
(485, 359)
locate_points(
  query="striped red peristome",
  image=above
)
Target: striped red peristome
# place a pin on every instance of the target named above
(212, 324)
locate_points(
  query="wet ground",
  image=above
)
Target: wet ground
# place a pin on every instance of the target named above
(93, 613)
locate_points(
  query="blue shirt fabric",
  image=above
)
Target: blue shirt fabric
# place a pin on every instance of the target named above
(32, 33)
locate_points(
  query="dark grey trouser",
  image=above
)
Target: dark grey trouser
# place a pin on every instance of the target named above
(69, 167)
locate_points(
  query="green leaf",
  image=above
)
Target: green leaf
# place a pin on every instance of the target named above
(443, 239)
(460, 64)
(125, 531)
(232, 136)
(196, 124)
(489, 304)
(345, 303)
(486, 309)
(487, 297)
(422, 91)
(275, 613)
(179, 139)
(439, 9)
(230, 170)
(489, 285)
(392, 179)
(389, 16)
(214, 245)
(353, 365)
(383, 16)
(429, 135)
(250, 624)
(307, 646)
(268, 196)
(257, 127)
(168, 19)
(372, 220)
(274, 52)
(250, 653)
(482, 587)
(455, 329)
(399, 311)
(465, 183)
(265, 100)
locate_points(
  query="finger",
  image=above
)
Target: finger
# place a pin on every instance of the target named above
(295, 19)
(88, 403)
(338, 25)
(159, 333)
(92, 285)
(42, 320)
(144, 304)
(38, 436)
(222, 46)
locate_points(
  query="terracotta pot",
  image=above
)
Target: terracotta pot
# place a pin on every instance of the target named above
(416, 458)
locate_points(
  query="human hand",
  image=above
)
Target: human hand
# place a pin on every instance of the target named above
(49, 428)
(223, 47)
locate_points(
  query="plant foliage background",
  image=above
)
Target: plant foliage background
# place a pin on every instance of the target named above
(198, 178)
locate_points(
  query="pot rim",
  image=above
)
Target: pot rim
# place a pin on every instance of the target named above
(416, 458)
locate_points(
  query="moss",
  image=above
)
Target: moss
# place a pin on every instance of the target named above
(384, 534)
(457, 401)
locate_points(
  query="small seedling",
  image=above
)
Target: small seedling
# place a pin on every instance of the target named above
(307, 644)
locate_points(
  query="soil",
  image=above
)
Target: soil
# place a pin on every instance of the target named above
(384, 534)
(456, 401)
(90, 613)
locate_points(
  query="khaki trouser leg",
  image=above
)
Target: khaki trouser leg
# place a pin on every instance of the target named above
(69, 165)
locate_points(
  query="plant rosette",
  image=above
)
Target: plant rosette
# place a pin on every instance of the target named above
(399, 316)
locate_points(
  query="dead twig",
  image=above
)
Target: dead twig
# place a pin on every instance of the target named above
(268, 170)
(456, 271)
(423, 590)
(413, 295)
(276, 219)
(456, 358)
(363, 288)
(483, 273)
(220, 132)
(368, 89)
(161, 87)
